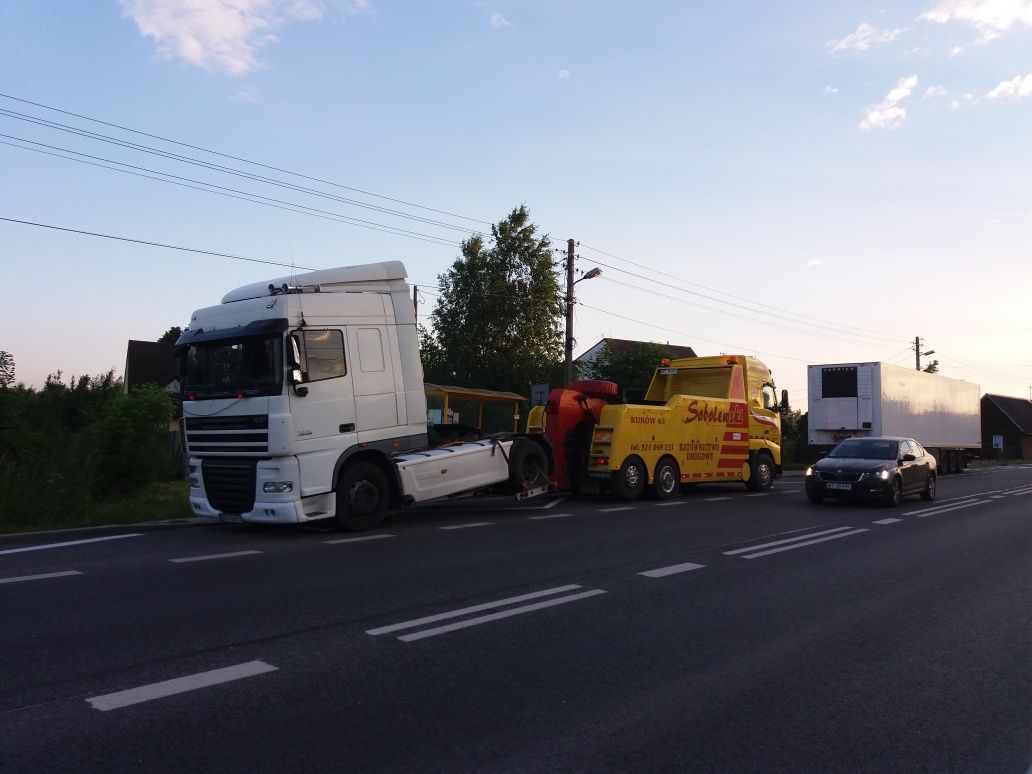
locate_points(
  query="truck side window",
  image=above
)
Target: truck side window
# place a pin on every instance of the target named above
(322, 354)
(770, 398)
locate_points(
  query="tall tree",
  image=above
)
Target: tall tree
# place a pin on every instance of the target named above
(496, 324)
(6, 370)
(932, 368)
(171, 336)
(632, 368)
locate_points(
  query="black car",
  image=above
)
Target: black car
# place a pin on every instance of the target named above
(873, 468)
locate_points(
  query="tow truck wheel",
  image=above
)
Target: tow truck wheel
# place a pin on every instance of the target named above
(761, 475)
(528, 466)
(629, 481)
(666, 483)
(362, 497)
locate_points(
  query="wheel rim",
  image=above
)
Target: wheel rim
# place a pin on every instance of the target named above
(667, 479)
(897, 491)
(632, 476)
(364, 497)
(763, 473)
(931, 486)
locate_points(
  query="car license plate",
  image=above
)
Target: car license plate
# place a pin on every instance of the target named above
(844, 487)
(231, 518)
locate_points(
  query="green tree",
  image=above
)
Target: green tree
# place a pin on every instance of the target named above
(171, 336)
(6, 370)
(496, 324)
(632, 368)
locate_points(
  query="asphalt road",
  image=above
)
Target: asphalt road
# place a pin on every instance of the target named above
(722, 631)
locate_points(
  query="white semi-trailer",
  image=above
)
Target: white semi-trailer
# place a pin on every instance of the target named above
(304, 400)
(872, 399)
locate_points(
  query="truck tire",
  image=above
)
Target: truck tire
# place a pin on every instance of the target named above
(666, 482)
(528, 466)
(362, 497)
(629, 481)
(761, 473)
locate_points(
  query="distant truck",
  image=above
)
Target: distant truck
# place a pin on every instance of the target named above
(848, 400)
(703, 420)
(304, 400)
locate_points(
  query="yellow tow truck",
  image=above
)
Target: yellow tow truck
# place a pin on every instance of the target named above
(703, 420)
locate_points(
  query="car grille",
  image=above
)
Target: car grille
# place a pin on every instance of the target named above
(831, 475)
(229, 484)
(248, 434)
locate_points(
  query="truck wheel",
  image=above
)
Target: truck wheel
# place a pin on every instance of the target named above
(929, 490)
(895, 493)
(528, 466)
(761, 474)
(666, 483)
(629, 481)
(362, 497)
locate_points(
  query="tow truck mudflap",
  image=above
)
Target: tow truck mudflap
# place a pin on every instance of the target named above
(532, 492)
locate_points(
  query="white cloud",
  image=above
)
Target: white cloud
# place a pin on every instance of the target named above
(861, 40)
(890, 113)
(990, 18)
(223, 35)
(1020, 86)
(829, 89)
(814, 262)
(563, 75)
(498, 21)
(934, 91)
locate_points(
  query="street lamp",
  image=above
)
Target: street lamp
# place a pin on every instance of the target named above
(570, 282)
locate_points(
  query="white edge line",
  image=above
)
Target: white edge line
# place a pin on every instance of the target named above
(42, 576)
(166, 688)
(468, 526)
(673, 569)
(184, 559)
(358, 539)
(497, 616)
(807, 543)
(69, 543)
(747, 549)
(544, 516)
(474, 609)
(619, 508)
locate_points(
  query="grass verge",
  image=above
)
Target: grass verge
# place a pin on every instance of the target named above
(159, 501)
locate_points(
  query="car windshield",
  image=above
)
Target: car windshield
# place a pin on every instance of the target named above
(866, 450)
(251, 366)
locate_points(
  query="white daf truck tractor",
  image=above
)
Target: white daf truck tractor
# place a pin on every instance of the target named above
(303, 400)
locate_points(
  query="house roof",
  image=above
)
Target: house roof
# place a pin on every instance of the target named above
(625, 345)
(1017, 410)
(150, 362)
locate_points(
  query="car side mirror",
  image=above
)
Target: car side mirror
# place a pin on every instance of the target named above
(909, 458)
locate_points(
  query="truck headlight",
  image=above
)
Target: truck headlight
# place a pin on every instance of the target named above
(278, 487)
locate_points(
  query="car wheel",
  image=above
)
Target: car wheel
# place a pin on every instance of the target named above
(666, 482)
(629, 481)
(895, 493)
(929, 490)
(816, 499)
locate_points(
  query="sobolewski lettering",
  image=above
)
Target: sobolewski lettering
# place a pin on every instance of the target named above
(732, 415)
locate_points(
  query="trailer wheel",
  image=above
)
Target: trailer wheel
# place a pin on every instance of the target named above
(761, 473)
(362, 497)
(929, 490)
(528, 466)
(629, 481)
(666, 483)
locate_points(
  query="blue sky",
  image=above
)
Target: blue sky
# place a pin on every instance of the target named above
(810, 183)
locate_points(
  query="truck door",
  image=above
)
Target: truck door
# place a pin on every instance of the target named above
(376, 402)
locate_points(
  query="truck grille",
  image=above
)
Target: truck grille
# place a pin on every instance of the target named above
(229, 435)
(229, 484)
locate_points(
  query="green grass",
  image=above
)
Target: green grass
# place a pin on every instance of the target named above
(160, 501)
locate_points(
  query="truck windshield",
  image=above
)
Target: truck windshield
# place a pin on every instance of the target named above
(227, 368)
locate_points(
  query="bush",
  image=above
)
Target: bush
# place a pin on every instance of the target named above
(67, 448)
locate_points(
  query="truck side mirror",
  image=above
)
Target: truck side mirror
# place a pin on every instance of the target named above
(294, 353)
(297, 382)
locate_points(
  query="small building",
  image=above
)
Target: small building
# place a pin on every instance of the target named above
(1006, 427)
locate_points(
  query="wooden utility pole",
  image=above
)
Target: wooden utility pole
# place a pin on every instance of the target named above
(415, 302)
(568, 359)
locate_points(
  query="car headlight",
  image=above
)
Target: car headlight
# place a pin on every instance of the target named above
(882, 474)
(809, 472)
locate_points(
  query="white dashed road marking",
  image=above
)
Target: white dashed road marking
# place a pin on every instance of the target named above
(715, 499)
(161, 690)
(68, 543)
(888, 521)
(789, 544)
(361, 539)
(673, 569)
(549, 516)
(468, 526)
(42, 576)
(231, 555)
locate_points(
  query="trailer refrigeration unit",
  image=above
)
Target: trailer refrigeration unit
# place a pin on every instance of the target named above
(304, 400)
(879, 399)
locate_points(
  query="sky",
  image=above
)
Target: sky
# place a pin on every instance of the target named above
(804, 182)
